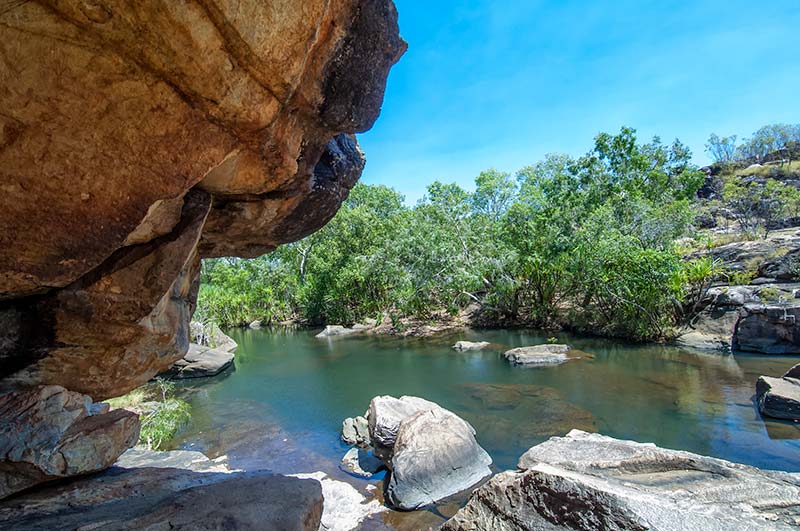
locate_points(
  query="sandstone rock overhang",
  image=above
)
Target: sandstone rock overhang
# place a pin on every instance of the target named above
(137, 138)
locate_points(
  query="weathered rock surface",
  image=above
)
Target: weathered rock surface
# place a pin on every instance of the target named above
(210, 335)
(385, 414)
(588, 481)
(462, 346)
(768, 328)
(778, 397)
(345, 507)
(776, 257)
(142, 154)
(169, 498)
(200, 362)
(337, 330)
(361, 463)
(48, 433)
(435, 456)
(539, 355)
(138, 457)
(355, 431)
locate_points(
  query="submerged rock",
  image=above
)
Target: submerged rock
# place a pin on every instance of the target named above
(435, 456)
(778, 397)
(469, 345)
(200, 362)
(49, 433)
(588, 481)
(538, 355)
(355, 431)
(361, 463)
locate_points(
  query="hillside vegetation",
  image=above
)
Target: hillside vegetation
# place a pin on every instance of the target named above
(595, 244)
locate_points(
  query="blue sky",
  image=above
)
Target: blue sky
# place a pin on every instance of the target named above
(501, 83)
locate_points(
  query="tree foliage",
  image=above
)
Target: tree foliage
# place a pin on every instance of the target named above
(586, 243)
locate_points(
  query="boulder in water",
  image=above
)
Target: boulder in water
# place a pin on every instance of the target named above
(462, 346)
(778, 397)
(385, 414)
(355, 431)
(549, 354)
(435, 456)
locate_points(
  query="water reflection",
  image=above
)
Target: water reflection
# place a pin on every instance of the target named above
(290, 385)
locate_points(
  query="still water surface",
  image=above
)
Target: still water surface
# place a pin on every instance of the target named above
(282, 406)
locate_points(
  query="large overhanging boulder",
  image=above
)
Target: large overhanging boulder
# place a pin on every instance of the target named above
(139, 137)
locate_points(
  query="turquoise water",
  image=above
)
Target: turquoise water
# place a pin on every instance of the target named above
(282, 406)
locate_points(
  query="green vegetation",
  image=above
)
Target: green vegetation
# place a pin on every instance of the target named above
(594, 244)
(586, 243)
(161, 414)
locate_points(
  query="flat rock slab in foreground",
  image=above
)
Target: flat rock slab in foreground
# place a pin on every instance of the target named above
(165, 498)
(540, 355)
(588, 482)
(201, 362)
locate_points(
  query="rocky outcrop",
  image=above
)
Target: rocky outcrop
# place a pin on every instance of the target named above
(431, 452)
(49, 433)
(462, 346)
(588, 481)
(541, 355)
(210, 335)
(200, 362)
(126, 157)
(355, 431)
(780, 397)
(435, 456)
(169, 498)
(768, 328)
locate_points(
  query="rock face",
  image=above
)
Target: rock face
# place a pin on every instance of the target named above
(210, 335)
(768, 328)
(200, 362)
(587, 481)
(431, 452)
(127, 156)
(48, 433)
(435, 456)
(462, 346)
(355, 431)
(538, 355)
(780, 397)
(168, 498)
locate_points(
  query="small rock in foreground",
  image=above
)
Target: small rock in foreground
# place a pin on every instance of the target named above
(355, 431)
(588, 481)
(361, 463)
